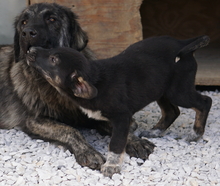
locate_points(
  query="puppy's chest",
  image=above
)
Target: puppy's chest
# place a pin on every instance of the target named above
(97, 115)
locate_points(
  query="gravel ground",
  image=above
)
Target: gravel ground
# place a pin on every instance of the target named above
(28, 162)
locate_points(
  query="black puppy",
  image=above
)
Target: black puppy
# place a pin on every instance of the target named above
(156, 69)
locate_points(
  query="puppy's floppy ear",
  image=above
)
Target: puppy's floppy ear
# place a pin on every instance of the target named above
(79, 38)
(16, 43)
(82, 88)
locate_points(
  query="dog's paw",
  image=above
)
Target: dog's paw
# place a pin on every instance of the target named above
(109, 169)
(192, 137)
(140, 148)
(90, 158)
(152, 133)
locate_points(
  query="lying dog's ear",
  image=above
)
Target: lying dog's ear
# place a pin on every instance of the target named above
(78, 36)
(16, 45)
(82, 88)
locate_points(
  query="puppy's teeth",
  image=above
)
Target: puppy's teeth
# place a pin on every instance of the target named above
(80, 79)
(28, 51)
(177, 59)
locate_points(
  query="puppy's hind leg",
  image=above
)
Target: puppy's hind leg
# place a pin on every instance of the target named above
(201, 105)
(169, 113)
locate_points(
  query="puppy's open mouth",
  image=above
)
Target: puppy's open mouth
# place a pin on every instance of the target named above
(31, 55)
(28, 49)
(47, 45)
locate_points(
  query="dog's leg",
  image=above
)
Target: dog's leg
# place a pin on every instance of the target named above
(169, 113)
(136, 147)
(105, 128)
(201, 105)
(51, 130)
(117, 146)
(139, 148)
(113, 164)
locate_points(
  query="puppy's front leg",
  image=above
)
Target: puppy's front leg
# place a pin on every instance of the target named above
(117, 146)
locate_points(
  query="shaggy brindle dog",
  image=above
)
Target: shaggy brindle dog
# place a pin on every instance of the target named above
(29, 102)
(155, 69)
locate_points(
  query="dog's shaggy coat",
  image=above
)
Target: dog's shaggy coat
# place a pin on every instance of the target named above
(29, 102)
(159, 69)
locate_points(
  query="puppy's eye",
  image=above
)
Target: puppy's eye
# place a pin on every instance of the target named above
(53, 60)
(24, 22)
(51, 19)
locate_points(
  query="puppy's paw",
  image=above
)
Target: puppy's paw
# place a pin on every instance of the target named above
(152, 133)
(109, 169)
(192, 137)
(140, 148)
(90, 158)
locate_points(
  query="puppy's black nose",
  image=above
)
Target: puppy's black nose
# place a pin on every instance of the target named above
(29, 32)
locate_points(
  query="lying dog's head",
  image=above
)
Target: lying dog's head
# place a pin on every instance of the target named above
(65, 69)
(48, 26)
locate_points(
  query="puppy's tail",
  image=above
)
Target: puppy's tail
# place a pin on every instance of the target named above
(193, 44)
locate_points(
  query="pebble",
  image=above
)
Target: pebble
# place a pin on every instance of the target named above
(20, 181)
(5, 158)
(44, 174)
(33, 162)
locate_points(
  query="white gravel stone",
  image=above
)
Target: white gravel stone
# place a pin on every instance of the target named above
(5, 158)
(44, 174)
(29, 162)
(20, 181)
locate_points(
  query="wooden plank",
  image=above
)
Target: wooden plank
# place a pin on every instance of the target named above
(208, 74)
(111, 25)
(208, 60)
(27, 2)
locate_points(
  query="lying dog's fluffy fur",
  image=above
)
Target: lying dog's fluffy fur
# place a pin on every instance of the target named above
(160, 68)
(29, 102)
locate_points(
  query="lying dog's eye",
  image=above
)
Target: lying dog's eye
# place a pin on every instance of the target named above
(51, 19)
(24, 22)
